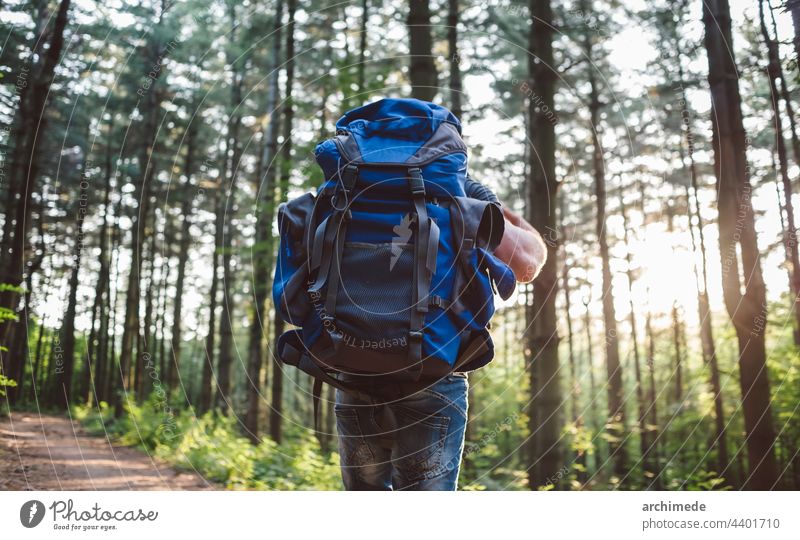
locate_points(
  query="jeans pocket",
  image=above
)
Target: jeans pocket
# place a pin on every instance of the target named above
(353, 448)
(420, 444)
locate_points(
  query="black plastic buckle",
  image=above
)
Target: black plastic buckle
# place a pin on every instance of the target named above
(415, 182)
(414, 335)
(349, 177)
(436, 301)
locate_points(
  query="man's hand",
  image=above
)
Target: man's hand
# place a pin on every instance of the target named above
(521, 248)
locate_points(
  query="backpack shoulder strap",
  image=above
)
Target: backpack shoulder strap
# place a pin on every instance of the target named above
(426, 249)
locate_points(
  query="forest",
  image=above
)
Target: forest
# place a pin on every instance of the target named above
(146, 146)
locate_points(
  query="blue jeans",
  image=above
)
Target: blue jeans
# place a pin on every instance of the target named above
(422, 450)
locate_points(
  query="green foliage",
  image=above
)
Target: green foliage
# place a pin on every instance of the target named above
(212, 445)
(5, 382)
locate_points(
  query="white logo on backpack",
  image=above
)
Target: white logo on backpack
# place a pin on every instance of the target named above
(402, 236)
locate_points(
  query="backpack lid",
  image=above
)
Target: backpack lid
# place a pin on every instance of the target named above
(397, 130)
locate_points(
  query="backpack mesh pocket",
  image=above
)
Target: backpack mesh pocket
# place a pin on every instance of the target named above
(374, 297)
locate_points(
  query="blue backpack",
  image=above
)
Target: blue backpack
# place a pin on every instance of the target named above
(387, 270)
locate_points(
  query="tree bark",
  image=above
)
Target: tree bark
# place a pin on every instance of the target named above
(574, 384)
(709, 352)
(145, 339)
(111, 381)
(233, 153)
(644, 439)
(794, 8)
(652, 457)
(63, 390)
(422, 68)
(262, 250)
(677, 333)
(773, 73)
(91, 374)
(737, 226)
(455, 59)
(204, 399)
(615, 424)
(276, 413)
(362, 49)
(142, 193)
(25, 174)
(542, 336)
(173, 367)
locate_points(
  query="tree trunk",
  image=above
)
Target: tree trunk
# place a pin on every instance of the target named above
(794, 8)
(145, 339)
(790, 239)
(21, 345)
(615, 424)
(677, 339)
(422, 68)
(142, 192)
(737, 225)
(362, 49)
(542, 335)
(709, 352)
(785, 95)
(644, 442)
(233, 152)
(25, 174)
(276, 413)
(158, 349)
(455, 59)
(652, 458)
(262, 250)
(63, 390)
(204, 400)
(173, 367)
(111, 380)
(574, 384)
(593, 423)
(90, 374)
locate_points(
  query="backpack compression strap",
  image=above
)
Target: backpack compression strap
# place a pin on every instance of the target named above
(328, 244)
(426, 249)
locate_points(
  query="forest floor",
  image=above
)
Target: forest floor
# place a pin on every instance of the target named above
(45, 452)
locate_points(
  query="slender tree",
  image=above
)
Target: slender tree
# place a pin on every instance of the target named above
(24, 176)
(794, 8)
(276, 413)
(616, 410)
(97, 333)
(644, 440)
(773, 73)
(362, 49)
(455, 59)
(422, 69)
(173, 367)
(263, 248)
(63, 390)
(150, 105)
(737, 226)
(233, 157)
(542, 333)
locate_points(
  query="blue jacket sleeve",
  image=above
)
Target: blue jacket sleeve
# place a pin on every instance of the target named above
(476, 190)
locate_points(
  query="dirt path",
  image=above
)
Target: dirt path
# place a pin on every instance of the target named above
(44, 452)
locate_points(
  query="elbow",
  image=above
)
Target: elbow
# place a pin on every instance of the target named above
(523, 251)
(531, 262)
(528, 268)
